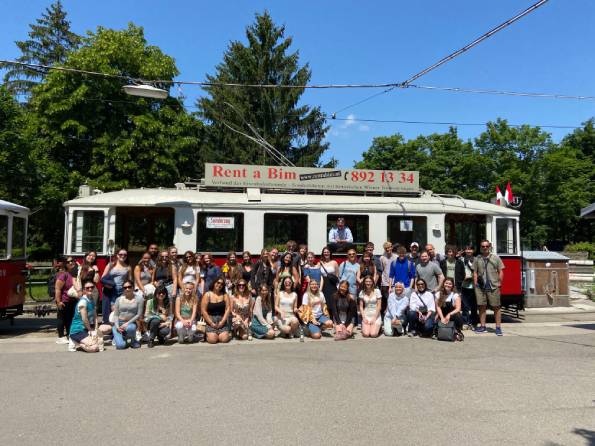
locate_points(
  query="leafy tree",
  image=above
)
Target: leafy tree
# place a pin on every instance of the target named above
(88, 130)
(297, 131)
(49, 42)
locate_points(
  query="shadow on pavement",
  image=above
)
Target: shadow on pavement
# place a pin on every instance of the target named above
(587, 434)
(584, 326)
(24, 325)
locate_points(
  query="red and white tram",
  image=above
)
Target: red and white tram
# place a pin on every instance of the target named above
(13, 246)
(217, 220)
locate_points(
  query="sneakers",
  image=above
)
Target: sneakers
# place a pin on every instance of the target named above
(150, 343)
(144, 337)
(499, 331)
(71, 346)
(62, 341)
(250, 337)
(481, 329)
(412, 333)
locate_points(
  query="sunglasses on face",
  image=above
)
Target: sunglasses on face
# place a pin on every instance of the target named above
(89, 287)
(218, 283)
(122, 254)
(485, 246)
(70, 261)
(241, 285)
(127, 287)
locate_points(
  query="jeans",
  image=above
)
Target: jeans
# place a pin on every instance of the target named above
(316, 328)
(155, 331)
(388, 328)
(469, 306)
(425, 328)
(121, 339)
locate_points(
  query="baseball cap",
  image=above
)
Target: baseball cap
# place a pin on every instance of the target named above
(415, 244)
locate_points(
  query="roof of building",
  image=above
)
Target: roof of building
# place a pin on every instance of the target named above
(588, 212)
(543, 255)
(7, 205)
(426, 202)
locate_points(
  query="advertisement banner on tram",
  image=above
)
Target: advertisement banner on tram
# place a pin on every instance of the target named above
(287, 177)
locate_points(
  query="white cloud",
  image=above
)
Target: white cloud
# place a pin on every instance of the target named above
(349, 121)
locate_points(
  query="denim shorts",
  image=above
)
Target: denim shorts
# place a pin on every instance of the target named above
(316, 328)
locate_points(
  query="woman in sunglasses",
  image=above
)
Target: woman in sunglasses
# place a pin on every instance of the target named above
(422, 309)
(127, 309)
(166, 274)
(241, 311)
(66, 296)
(83, 330)
(157, 317)
(114, 275)
(215, 309)
(190, 272)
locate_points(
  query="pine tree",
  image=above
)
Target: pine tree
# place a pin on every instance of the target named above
(49, 42)
(297, 131)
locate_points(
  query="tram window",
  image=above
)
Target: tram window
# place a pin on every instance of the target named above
(406, 230)
(19, 234)
(506, 233)
(87, 231)
(3, 236)
(358, 224)
(219, 232)
(136, 227)
(279, 228)
(464, 229)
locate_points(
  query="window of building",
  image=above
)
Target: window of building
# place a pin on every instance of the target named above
(3, 236)
(219, 232)
(357, 224)
(19, 237)
(279, 228)
(87, 231)
(506, 236)
(406, 230)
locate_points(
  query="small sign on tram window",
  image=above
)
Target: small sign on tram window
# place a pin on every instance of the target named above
(220, 222)
(406, 225)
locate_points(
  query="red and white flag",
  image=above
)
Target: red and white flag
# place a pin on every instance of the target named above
(498, 195)
(508, 197)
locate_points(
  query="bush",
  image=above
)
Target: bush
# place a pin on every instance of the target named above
(582, 246)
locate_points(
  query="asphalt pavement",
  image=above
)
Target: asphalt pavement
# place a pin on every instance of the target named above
(535, 385)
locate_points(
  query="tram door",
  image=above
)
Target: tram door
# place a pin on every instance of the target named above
(136, 227)
(464, 229)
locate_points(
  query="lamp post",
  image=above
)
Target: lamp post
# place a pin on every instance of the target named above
(145, 91)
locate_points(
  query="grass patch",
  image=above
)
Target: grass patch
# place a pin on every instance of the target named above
(38, 293)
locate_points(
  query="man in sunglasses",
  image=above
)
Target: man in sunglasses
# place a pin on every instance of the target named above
(488, 274)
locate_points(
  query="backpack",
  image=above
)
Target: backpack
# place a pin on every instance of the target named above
(446, 332)
(52, 285)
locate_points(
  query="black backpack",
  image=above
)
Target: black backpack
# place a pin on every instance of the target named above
(52, 285)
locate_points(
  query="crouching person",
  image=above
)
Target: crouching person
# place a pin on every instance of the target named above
(186, 310)
(314, 311)
(157, 317)
(395, 318)
(422, 309)
(83, 329)
(344, 311)
(127, 309)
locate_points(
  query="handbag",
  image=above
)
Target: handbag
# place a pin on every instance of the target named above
(331, 277)
(446, 332)
(201, 326)
(72, 292)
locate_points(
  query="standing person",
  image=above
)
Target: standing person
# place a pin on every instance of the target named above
(186, 309)
(312, 270)
(291, 247)
(127, 309)
(330, 270)
(262, 273)
(422, 307)
(83, 330)
(89, 272)
(212, 271)
(153, 251)
(344, 312)
(215, 309)
(449, 264)
(189, 272)
(488, 274)
(66, 296)
(340, 238)
(166, 274)
(433, 255)
(448, 305)
(286, 309)
(287, 269)
(349, 270)
(114, 275)
(402, 270)
(314, 311)
(395, 318)
(231, 271)
(369, 307)
(241, 311)
(158, 317)
(247, 266)
(303, 253)
(143, 275)
(366, 268)
(386, 260)
(464, 283)
(172, 251)
(274, 259)
(414, 253)
(262, 314)
(430, 272)
(369, 249)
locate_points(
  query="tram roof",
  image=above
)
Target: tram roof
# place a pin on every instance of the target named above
(197, 198)
(8, 206)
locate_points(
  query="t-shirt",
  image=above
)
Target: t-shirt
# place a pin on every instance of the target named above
(77, 325)
(487, 269)
(316, 305)
(348, 271)
(430, 273)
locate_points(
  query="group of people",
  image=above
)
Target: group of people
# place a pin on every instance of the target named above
(289, 294)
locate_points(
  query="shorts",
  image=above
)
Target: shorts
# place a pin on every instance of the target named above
(286, 321)
(78, 337)
(216, 320)
(484, 297)
(316, 328)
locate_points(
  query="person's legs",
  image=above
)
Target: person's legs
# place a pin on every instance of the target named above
(428, 327)
(375, 329)
(131, 334)
(153, 328)
(412, 321)
(119, 340)
(325, 322)
(61, 327)
(388, 327)
(365, 328)
(69, 314)
(404, 322)
(89, 345)
(182, 332)
(458, 320)
(212, 338)
(314, 331)
(482, 302)
(466, 295)
(482, 315)
(224, 337)
(162, 333)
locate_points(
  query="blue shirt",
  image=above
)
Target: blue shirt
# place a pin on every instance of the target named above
(336, 234)
(402, 271)
(211, 273)
(348, 271)
(313, 273)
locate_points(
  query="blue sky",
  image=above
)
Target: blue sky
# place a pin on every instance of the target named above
(549, 51)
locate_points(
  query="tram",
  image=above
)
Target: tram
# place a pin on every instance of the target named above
(207, 218)
(13, 253)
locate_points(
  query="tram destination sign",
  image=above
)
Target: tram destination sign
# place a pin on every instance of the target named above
(286, 177)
